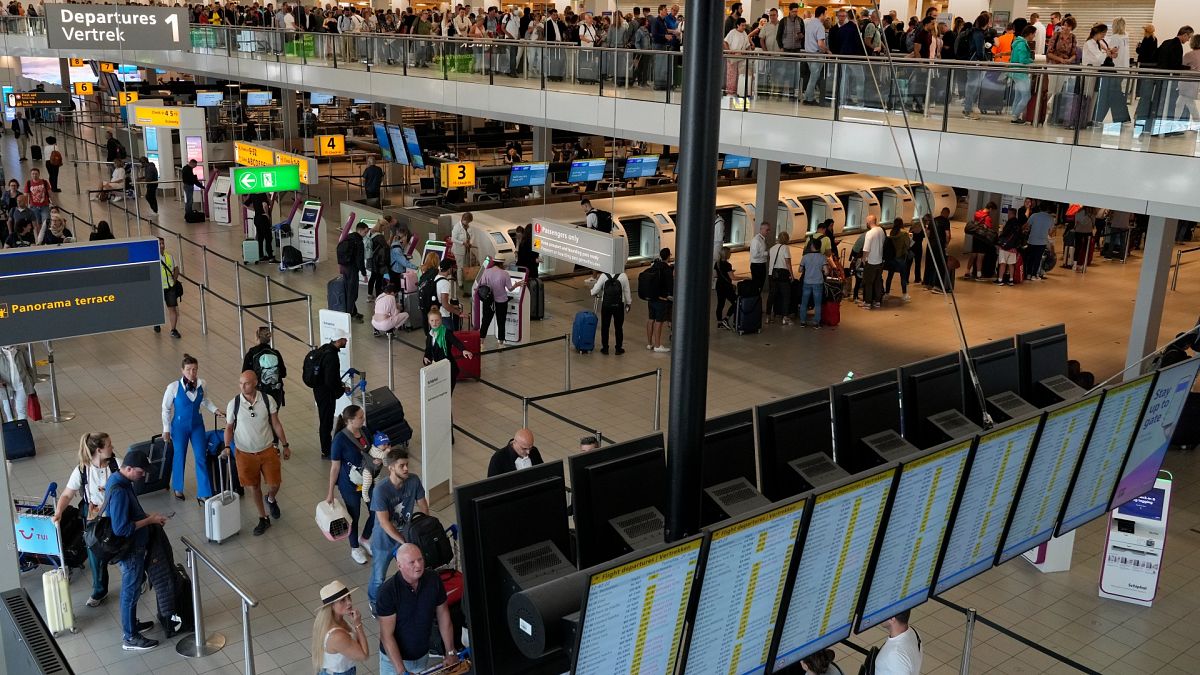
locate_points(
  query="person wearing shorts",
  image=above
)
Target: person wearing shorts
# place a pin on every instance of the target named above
(255, 434)
(169, 273)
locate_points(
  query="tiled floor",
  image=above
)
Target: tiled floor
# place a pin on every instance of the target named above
(114, 383)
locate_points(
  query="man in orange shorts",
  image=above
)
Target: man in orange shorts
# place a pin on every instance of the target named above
(254, 431)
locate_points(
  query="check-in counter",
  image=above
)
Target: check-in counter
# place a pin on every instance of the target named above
(792, 219)
(859, 204)
(932, 198)
(821, 208)
(895, 201)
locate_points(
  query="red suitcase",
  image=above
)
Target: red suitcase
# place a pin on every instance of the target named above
(468, 369)
(452, 581)
(831, 313)
(1018, 269)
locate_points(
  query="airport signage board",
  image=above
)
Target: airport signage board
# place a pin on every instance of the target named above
(80, 289)
(84, 88)
(156, 116)
(590, 248)
(38, 99)
(117, 27)
(458, 174)
(127, 97)
(248, 154)
(332, 145)
(307, 166)
(249, 180)
(76, 63)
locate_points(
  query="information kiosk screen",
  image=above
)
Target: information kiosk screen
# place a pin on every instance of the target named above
(736, 162)
(586, 170)
(1106, 449)
(744, 574)
(642, 166)
(633, 614)
(833, 562)
(1154, 432)
(385, 145)
(208, 99)
(1000, 457)
(399, 153)
(320, 98)
(527, 175)
(414, 148)
(1041, 498)
(916, 526)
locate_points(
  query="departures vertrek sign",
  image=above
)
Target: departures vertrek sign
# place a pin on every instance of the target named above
(116, 27)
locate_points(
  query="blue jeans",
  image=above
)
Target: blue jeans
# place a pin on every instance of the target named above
(1021, 99)
(99, 575)
(410, 666)
(353, 502)
(382, 553)
(814, 293)
(43, 214)
(974, 82)
(133, 566)
(814, 76)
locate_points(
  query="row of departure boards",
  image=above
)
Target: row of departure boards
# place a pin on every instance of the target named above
(763, 592)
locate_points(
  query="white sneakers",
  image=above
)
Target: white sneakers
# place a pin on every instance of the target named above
(662, 350)
(357, 555)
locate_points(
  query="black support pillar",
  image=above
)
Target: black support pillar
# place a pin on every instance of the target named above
(698, 137)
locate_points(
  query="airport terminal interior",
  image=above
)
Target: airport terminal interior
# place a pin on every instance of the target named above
(1003, 403)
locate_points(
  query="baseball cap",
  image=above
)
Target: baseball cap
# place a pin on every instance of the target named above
(136, 459)
(447, 263)
(381, 439)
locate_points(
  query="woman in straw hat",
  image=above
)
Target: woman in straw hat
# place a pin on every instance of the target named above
(339, 641)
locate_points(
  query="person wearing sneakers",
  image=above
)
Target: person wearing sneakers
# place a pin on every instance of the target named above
(255, 433)
(350, 446)
(96, 464)
(658, 300)
(393, 501)
(182, 422)
(169, 273)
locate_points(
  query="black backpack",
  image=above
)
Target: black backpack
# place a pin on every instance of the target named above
(612, 296)
(429, 536)
(964, 44)
(485, 294)
(889, 250)
(345, 253)
(604, 220)
(427, 293)
(650, 282)
(313, 362)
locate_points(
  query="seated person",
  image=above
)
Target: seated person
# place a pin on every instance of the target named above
(387, 316)
(115, 182)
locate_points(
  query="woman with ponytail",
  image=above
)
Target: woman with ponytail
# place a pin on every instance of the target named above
(96, 463)
(348, 452)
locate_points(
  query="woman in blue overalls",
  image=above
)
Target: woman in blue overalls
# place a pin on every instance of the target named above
(182, 422)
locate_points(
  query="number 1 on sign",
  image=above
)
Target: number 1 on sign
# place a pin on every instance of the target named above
(174, 21)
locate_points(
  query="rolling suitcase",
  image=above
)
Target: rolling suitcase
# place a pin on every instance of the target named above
(588, 67)
(183, 599)
(662, 71)
(193, 217)
(223, 511)
(385, 413)
(159, 475)
(583, 331)
(18, 440)
(408, 281)
(1039, 102)
(468, 369)
(1068, 106)
(335, 295)
(1018, 269)
(993, 92)
(556, 64)
(537, 299)
(831, 313)
(412, 307)
(35, 152)
(56, 590)
(290, 258)
(250, 251)
(748, 318)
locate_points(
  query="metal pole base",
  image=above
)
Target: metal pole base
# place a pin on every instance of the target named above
(62, 416)
(187, 647)
(41, 377)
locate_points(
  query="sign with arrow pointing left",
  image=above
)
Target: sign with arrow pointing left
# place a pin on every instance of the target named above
(249, 180)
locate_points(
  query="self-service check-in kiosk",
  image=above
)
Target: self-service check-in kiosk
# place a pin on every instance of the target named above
(661, 236)
(932, 198)
(516, 320)
(859, 204)
(895, 201)
(491, 239)
(219, 193)
(740, 224)
(305, 231)
(792, 219)
(823, 207)
(1133, 549)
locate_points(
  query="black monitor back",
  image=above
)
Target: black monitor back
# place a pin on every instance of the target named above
(610, 482)
(787, 430)
(926, 388)
(861, 408)
(728, 450)
(1024, 343)
(999, 371)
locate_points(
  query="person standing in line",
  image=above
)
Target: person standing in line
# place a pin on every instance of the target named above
(409, 604)
(494, 300)
(190, 184)
(263, 233)
(54, 162)
(97, 462)
(615, 301)
(328, 388)
(1083, 231)
(349, 454)
(726, 291)
(873, 264)
(439, 340)
(20, 127)
(339, 639)
(372, 177)
(182, 422)
(937, 277)
(267, 364)
(901, 654)
(814, 267)
(149, 176)
(779, 295)
(1040, 224)
(38, 192)
(658, 301)
(759, 257)
(718, 238)
(113, 150)
(519, 453)
(259, 440)
(460, 243)
(902, 245)
(351, 253)
(814, 43)
(394, 500)
(169, 273)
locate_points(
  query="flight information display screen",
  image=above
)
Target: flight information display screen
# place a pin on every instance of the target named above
(744, 575)
(1153, 436)
(258, 98)
(586, 170)
(912, 540)
(1000, 457)
(385, 145)
(208, 99)
(642, 166)
(320, 98)
(528, 175)
(736, 162)
(399, 153)
(414, 148)
(1106, 449)
(1040, 501)
(633, 614)
(833, 561)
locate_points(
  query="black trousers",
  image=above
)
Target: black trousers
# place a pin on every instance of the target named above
(1033, 259)
(265, 246)
(497, 310)
(52, 174)
(151, 193)
(350, 284)
(326, 400)
(615, 316)
(726, 295)
(758, 274)
(375, 283)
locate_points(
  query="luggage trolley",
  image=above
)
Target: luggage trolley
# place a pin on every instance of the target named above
(40, 541)
(30, 553)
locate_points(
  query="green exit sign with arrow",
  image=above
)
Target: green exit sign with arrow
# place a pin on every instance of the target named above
(249, 180)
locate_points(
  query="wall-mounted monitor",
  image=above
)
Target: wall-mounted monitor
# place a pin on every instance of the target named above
(193, 148)
(735, 162)
(209, 99)
(414, 148)
(399, 152)
(641, 166)
(586, 170)
(528, 175)
(320, 98)
(258, 98)
(385, 145)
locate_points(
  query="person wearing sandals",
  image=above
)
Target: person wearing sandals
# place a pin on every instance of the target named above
(339, 640)
(96, 463)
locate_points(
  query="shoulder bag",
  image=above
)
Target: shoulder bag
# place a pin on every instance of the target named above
(100, 539)
(177, 285)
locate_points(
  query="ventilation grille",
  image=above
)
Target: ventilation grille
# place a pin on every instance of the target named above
(28, 640)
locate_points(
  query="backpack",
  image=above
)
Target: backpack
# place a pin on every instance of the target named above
(910, 41)
(650, 282)
(56, 158)
(427, 293)
(311, 370)
(604, 220)
(612, 296)
(964, 44)
(889, 250)
(345, 253)
(429, 536)
(268, 370)
(485, 294)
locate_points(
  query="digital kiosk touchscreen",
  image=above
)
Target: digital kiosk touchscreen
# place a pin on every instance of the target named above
(1000, 458)
(916, 525)
(1106, 449)
(633, 614)
(1040, 500)
(833, 561)
(740, 591)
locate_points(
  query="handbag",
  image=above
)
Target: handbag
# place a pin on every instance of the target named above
(177, 286)
(779, 274)
(100, 539)
(33, 408)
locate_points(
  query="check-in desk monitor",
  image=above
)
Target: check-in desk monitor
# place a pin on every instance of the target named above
(1040, 499)
(633, 614)
(992, 481)
(1105, 453)
(833, 563)
(745, 571)
(917, 521)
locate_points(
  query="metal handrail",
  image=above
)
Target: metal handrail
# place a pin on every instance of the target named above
(206, 645)
(1179, 263)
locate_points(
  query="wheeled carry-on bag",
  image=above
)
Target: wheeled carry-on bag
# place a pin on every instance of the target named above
(56, 591)
(335, 295)
(290, 258)
(250, 251)
(222, 511)
(193, 217)
(583, 331)
(749, 315)
(831, 313)
(18, 440)
(412, 307)
(159, 475)
(468, 369)
(385, 413)
(537, 299)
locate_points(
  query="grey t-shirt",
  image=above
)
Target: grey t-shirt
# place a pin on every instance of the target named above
(399, 502)
(1039, 228)
(814, 268)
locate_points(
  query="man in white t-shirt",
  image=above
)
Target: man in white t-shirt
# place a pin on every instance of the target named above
(447, 294)
(901, 654)
(873, 269)
(253, 429)
(758, 257)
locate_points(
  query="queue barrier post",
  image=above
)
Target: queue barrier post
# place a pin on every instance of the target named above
(1178, 262)
(658, 399)
(270, 319)
(567, 369)
(237, 284)
(308, 302)
(391, 370)
(56, 416)
(33, 364)
(247, 645)
(201, 645)
(965, 668)
(524, 412)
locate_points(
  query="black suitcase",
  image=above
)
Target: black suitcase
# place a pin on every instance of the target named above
(290, 257)
(335, 295)
(749, 315)
(747, 288)
(193, 217)
(212, 458)
(537, 299)
(993, 92)
(183, 597)
(1187, 432)
(18, 440)
(35, 152)
(385, 413)
(556, 64)
(159, 475)
(71, 526)
(662, 71)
